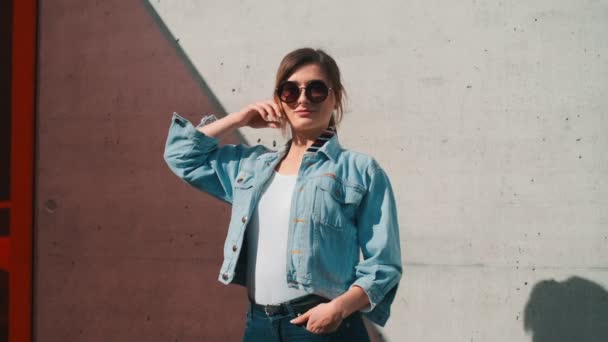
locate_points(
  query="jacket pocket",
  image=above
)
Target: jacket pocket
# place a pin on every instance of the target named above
(244, 180)
(243, 186)
(335, 202)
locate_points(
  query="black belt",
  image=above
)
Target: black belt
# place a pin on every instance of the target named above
(298, 306)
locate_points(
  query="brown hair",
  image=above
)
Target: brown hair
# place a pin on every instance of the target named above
(300, 57)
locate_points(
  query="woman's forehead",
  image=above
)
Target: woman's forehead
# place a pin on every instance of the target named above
(307, 73)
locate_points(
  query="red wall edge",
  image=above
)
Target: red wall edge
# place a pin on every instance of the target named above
(22, 154)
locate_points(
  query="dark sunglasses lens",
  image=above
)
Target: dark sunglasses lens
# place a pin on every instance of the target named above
(289, 92)
(317, 91)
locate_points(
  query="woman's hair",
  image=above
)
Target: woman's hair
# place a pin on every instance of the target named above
(304, 56)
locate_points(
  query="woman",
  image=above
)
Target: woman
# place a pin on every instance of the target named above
(301, 216)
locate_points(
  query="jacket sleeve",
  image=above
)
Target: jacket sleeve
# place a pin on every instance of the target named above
(379, 272)
(199, 161)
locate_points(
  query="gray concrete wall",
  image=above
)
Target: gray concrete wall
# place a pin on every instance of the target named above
(487, 116)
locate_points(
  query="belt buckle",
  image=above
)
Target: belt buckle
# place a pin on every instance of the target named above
(271, 310)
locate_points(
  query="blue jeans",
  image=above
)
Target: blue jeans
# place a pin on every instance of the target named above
(260, 327)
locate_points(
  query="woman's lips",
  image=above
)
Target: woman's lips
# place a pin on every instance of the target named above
(303, 112)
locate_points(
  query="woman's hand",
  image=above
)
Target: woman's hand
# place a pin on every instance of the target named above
(322, 319)
(260, 115)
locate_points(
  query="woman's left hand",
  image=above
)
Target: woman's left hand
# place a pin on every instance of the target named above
(322, 319)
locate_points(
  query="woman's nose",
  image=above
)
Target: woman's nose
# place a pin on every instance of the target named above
(302, 96)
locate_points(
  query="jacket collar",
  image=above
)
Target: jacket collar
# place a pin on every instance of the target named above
(327, 143)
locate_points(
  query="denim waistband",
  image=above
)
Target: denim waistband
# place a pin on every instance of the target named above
(293, 307)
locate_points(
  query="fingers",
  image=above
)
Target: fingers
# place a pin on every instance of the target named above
(263, 114)
(302, 318)
(305, 319)
(319, 320)
(272, 113)
(277, 109)
(260, 110)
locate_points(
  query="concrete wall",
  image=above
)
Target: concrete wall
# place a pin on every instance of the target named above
(124, 250)
(487, 116)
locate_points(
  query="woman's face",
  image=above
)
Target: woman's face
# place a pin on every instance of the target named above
(303, 115)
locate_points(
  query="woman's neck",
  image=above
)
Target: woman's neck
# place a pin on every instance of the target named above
(297, 149)
(301, 141)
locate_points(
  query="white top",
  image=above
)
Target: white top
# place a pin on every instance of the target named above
(267, 243)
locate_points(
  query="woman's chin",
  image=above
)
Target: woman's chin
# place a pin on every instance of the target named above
(313, 128)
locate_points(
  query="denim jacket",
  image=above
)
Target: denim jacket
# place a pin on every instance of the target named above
(343, 222)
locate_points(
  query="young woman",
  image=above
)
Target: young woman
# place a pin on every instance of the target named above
(313, 232)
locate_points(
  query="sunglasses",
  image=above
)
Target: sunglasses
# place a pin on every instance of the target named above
(316, 91)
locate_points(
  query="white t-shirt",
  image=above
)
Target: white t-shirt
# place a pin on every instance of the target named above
(267, 243)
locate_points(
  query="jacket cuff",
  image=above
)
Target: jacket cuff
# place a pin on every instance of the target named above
(370, 290)
(207, 119)
(182, 127)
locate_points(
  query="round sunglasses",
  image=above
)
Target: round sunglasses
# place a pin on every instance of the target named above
(316, 91)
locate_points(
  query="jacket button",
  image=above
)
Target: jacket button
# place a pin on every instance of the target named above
(239, 180)
(225, 276)
(244, 219)
(180, 122)
(234, 248)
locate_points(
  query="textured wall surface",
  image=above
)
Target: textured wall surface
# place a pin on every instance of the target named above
(489, 117)
(125, 251)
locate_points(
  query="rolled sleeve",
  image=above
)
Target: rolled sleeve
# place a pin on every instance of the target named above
(199, 160)
(379, 272)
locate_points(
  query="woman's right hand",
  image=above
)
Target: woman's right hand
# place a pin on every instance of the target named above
(260, 115)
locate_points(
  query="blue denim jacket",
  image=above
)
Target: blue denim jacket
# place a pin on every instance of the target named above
(343, 229)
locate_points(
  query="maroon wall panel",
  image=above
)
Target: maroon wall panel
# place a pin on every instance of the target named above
(124, 250)
(17, 146)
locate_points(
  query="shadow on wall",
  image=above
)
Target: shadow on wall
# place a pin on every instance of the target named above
(219, 109)
(575, 310)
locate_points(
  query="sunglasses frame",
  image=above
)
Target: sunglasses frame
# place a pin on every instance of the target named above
(307, 91)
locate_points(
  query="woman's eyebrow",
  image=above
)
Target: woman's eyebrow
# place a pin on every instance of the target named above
(307, 82)
(319, 80)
